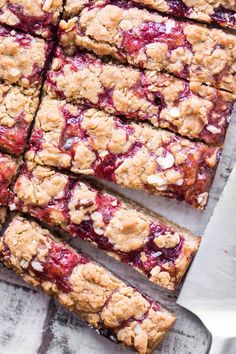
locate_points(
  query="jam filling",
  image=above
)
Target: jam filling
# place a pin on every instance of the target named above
(29, 23)
(107, 205)
(223, 15)
(13, 139)
(24, 40)
(152, 32)
(178, 8)
(59, 265)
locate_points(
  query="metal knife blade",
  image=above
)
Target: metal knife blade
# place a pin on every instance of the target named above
(209, 290)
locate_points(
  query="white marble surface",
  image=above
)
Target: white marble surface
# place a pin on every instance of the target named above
(31, 322)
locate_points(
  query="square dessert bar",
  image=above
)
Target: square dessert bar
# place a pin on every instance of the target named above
(17, 109)
(116, 309)
(36, 17)
(190, 109)
(220, 12)
(22, 57)
(148, 40)
(135, 155)
(8, 169)
(149, 243)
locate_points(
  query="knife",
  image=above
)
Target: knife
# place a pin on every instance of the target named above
(209, 290)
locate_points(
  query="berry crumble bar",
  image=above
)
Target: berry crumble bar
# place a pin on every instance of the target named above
(148, 40)
(135, 155)
(190, 109)
(17, 109)
(149, 243)
(8, 169)
(116, 309)
(220, 12)
(22, 57)
(35, 17)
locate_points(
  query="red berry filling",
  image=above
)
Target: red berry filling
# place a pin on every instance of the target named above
(150, 32)
(31, 23)
(178, 8)
(58, 266)
(223, 16)
(13, 139)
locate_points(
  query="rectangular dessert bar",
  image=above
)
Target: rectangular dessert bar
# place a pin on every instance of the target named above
(17, 109)
(135, 155)
(190, 109)
(220, 12)
(35, 17)
(114, 308)
(8, 169)
(149, 243)
(22, 57)
(148, 40)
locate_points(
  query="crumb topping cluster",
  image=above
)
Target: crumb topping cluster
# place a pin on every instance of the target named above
(22, 58)
(37, 17)
(101, 299)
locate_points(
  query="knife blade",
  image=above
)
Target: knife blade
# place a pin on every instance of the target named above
(209, 289)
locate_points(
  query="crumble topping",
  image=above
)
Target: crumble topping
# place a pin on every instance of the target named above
(22, 57)
(37, 17)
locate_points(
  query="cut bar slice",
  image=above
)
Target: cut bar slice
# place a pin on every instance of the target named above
(190, 109)
(135, 155)
(157, 248)
(36, 17)
(17, 109)
(220, 12)
(148, 40)
(22, 57)
(8, 169)
(114, 308)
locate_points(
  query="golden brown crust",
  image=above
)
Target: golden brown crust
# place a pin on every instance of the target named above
(148, 40)
(17, 109)
(117, 226)
(37, 17)
(133, 155)
(88, 289)
(22, 58)
(191, 109)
